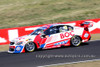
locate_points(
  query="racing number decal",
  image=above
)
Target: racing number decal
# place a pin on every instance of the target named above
(66, 34)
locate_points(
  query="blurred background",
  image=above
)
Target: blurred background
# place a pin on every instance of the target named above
(17, 13)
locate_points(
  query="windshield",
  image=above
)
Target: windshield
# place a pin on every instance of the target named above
(38, 31)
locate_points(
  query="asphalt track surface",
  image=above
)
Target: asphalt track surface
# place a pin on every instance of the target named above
(87, 51)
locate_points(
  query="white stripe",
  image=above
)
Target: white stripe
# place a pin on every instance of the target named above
(12, 34)
(2, 40)
(33, 28)
(70, 63)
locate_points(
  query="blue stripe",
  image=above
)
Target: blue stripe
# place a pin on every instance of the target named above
(42, 46)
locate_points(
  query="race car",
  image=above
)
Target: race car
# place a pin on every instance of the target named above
(51, 36)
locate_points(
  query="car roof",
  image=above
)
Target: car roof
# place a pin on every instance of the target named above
(45, 27)
(51, 25)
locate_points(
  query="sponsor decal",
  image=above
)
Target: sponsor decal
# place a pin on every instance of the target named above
(18, 48)
(86, 35)
(59, 43)
(66, 34)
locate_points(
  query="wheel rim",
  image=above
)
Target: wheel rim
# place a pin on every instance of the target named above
(30, 46)
(76, 41)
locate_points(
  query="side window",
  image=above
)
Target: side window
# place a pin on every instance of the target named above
(52, 30)
(70, 28)
(58, 29)
(64, 28)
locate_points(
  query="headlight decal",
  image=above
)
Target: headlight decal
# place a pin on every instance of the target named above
(19, 43)
(12, 43)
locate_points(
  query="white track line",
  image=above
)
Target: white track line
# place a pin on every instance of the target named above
(70, 63)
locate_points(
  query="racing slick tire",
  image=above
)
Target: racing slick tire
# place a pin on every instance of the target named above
(30, 47)
(75, 41)
(90, 38)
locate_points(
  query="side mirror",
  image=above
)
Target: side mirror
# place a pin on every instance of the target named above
(43, 35)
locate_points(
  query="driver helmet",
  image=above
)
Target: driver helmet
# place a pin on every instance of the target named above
(63, 29)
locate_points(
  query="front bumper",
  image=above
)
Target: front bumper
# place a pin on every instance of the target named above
(16, 49)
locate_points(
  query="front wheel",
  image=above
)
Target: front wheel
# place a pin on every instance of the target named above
(30, 47)
(76, 41)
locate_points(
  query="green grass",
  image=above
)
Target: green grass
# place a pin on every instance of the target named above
(17, 13)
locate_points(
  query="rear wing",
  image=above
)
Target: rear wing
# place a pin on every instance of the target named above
(87, 24)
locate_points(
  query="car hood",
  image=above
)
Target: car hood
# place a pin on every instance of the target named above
(24, 38)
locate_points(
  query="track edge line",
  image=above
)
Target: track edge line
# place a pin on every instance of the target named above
(70, 62)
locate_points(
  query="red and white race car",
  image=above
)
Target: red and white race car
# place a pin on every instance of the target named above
(51, 36)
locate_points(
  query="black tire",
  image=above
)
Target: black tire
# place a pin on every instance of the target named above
(89, 38)
(75, 41)
(30, 47)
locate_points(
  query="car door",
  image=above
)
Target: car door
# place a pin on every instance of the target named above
(56, 37)
(65, 32)
(50, 37)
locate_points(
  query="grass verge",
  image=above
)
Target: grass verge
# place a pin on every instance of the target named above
(83, 64)
(17, 13)
(4, 47)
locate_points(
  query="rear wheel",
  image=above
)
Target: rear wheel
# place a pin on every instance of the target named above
(76, 41)
(30, 47)
(90, 38)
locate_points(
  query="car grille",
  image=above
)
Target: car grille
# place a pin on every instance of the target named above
(11, 49)
(11, 43)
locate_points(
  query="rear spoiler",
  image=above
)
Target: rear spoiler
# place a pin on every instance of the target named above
(87, 24)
